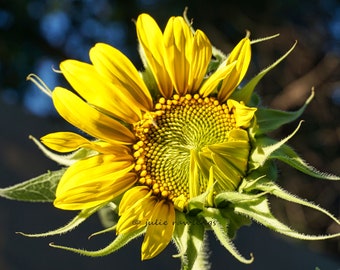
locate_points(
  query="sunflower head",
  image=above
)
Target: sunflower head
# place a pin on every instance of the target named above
(182, 139)
(174, 150)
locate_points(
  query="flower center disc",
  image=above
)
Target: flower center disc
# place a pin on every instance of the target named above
(169, 134)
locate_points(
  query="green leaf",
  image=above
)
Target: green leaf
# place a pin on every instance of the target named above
(120, 241)
(235, 221)
(288, 155)
(270, 119)
(38, 189)
(245, 93)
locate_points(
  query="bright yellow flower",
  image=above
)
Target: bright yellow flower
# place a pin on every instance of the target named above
(159, 148)
(169, 152)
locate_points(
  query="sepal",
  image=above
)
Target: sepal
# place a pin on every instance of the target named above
(265, 147)
(288, 155)
(80, 218)
(120, 241)
(245, 93)
(257, 208)
(270, 187)
(270, 119)
(189, 238)
(219, 225)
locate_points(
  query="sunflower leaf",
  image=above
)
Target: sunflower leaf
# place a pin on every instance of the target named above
(38, 189)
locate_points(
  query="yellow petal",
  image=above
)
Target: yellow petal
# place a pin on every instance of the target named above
(152, 46)
(194, 175)
(212, 82)
(99, 92)
(136, 216)
(131, 197)
(242, 55)
(231, 159)
(178, 41)
(160, 229)
(88, 119)
(69, 141)
(93, 181)
(199, 60)
(117, 68)
(64, 141)
(243, 114)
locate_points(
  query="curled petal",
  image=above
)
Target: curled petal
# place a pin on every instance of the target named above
(243, 114)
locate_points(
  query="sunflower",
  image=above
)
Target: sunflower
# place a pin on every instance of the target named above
(174, 150)
(155, 147)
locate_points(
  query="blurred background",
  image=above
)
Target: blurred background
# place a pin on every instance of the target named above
(35, 35)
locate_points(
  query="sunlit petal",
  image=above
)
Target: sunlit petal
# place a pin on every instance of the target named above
(88, 119)
(242, 55)
(131, 197)
(178, 41)
(213, 81)
(93, 181)
(199, 60)
(159, 230)
(243, 114)
(101, 93)
(68, 141)
(150, 38)
(118, 69)
(136, 216)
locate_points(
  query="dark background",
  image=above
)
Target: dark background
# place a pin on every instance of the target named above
(36, 35)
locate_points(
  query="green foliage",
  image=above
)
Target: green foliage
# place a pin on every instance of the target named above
(38, 189)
